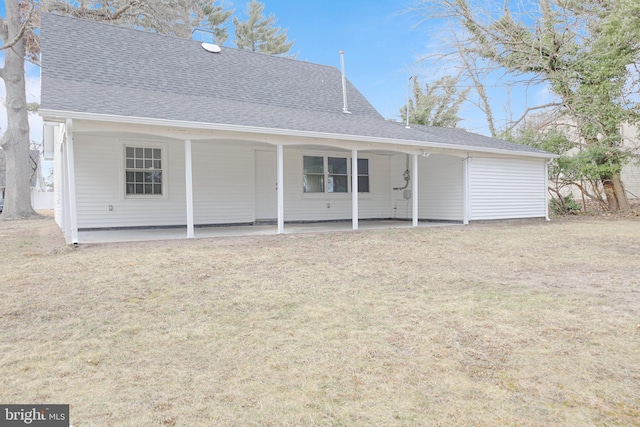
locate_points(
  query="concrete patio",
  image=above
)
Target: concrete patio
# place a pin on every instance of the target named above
(149, 234)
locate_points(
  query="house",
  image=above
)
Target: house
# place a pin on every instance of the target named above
(150, 130)
(38, 193)
(573, 187)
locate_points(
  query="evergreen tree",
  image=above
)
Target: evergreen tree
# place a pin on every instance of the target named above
(216, 17)
(437, 105)
(259, 33)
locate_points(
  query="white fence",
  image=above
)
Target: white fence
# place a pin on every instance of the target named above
(41, 200)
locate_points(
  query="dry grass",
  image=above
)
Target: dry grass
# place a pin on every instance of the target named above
(526, 324)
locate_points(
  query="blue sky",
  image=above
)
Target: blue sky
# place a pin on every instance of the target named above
(377, 36)
(383, 44)
(384, 41)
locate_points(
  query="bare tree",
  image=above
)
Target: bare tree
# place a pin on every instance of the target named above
(17, 35)
(583, 50)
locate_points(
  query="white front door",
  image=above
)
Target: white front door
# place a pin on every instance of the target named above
(266, 185)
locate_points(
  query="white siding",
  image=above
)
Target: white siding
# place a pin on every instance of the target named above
(440, 188)
(100, 184)
(400, 207)
(223, 183)
(507, 188)
(441, 191)
(224, 186)
(300, 206)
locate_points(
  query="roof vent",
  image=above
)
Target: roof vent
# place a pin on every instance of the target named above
(344, 85)
(210, 47)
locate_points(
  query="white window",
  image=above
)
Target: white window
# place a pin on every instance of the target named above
(335, 172)
(143, 171)
(363, 175)
(338, 175)
(313, 174)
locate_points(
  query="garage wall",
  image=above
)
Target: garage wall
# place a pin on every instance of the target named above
(506, 188)
(441, 189)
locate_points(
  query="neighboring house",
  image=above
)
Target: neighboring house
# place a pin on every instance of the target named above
(36, 183)
(630, 174)
(151, 130)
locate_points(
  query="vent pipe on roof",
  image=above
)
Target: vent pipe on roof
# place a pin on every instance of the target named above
(344, 85)
(408, 100)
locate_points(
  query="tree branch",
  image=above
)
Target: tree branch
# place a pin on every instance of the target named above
(99, 14)
(529, 109)
(115, 15)
(18, 36)
(3, 28)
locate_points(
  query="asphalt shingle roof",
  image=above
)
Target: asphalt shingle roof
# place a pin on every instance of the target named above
(91, 67)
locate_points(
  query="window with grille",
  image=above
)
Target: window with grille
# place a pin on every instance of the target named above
(143, 171)
(332, 175)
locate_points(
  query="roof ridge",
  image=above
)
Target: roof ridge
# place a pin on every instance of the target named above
(175, 37)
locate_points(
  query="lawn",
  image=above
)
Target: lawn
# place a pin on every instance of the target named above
(524, 323)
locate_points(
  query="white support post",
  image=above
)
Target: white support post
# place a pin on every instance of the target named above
(280, 184)
(71, 181)
(188, 171)
(354, 189)
(414, 190)
(465, 190)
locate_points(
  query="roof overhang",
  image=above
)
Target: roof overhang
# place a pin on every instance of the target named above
(58, 115)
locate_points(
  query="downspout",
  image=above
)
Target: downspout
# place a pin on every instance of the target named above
(546, 189)
(466, 188)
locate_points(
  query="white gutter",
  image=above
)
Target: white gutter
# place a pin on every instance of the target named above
(52, 115)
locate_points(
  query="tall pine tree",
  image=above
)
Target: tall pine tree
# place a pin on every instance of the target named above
(259, 33)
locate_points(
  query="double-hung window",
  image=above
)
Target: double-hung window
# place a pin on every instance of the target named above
(335, 172)
(313, 175)
(143, 171)
(363, 175)
(338, 179)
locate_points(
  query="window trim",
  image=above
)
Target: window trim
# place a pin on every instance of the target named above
(133, 143)
(337, 195)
